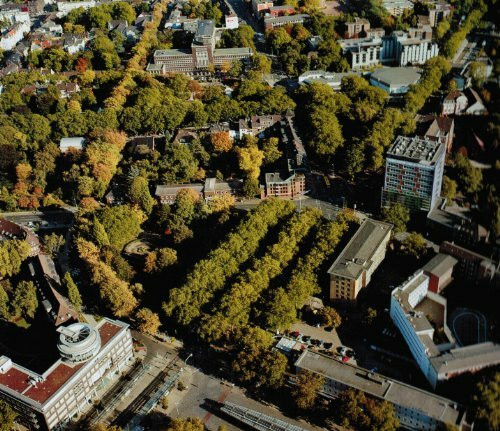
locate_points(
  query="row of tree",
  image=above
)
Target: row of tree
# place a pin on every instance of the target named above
(232, 311)
(279, 309)
(210, 274)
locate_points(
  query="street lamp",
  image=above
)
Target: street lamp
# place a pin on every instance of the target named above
(185, 361)
(300, 200)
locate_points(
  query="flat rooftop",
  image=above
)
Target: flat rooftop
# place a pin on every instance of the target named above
(20, 379)
(397, 76)
(174, 188)
(461, 359)
(206, 28)
(358, 253)
(440, 264)
(416, 149)
(382, 387)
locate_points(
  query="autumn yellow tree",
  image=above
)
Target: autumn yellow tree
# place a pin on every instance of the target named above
(250, 160)
(221, 141)
(147, 321)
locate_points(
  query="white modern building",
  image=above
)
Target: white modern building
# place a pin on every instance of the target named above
(397, 7)
(399, 49)
(414, 173)
(332, 79)
(420, 316)
(414, 408)
(91, 359)
(65, 7)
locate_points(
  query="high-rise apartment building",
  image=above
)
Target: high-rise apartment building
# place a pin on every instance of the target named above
(414, 173)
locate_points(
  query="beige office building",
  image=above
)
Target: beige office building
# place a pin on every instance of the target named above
(353, 269)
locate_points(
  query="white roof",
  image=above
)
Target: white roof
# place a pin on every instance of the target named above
(75, 142)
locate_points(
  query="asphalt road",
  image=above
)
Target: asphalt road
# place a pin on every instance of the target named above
(241, 9)
(56, 218)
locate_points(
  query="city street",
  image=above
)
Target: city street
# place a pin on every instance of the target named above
(241, 9)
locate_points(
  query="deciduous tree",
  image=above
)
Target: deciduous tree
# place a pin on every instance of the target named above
(147, 321)
(306, 388)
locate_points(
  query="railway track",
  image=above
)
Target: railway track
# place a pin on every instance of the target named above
(138, 403)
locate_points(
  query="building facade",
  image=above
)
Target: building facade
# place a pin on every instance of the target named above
(414, 408)
(357, 27)
(285, 185)
(283, 21)
(414, 173)
(90, 359)
(201, 58)
(353, 268)
(399, 49)
(420, 316)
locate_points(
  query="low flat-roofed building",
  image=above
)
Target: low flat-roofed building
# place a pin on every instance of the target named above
(166, 194)
(473, 267)
(395, 80)
(282, 21)
(456, 224)
(91, 358)
(439, 270)
(416, 409)
(353, 268)
(218, 188)
(77, 143)
(332, 79)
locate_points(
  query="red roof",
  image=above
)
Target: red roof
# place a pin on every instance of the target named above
(17, 380)
(59, 375)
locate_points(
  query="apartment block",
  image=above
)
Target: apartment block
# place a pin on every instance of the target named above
(397, 7)
(201, 58)
(354, 267)
(283, 21)
(357, 27)
(285, 184)
(415, 408)
(420, 316)
(414, 173)
(90, 359)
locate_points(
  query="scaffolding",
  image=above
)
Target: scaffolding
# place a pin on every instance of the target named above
(257, 420)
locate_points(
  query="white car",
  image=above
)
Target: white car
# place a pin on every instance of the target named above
(343, 351)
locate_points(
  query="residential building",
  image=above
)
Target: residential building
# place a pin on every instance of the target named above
(74, 43)
(212, 187)
(415, 408)
(202, 57)
(438, 12)
(454, 103)
(14, 13)
(414, 173)
(282, 21)
(282, 10)
(91, 359)
(259, 6)
(357, 28)
(285, 184)
(395, 80)
(77, 143)
(456, 224)
(166, 194)
(218, 188)
(439, 270)
(473, 267)
(437, 128)
(354, 267)
(467, 102)
(420, 316)
(10, 230)
(143, 19)
(332, 79)
(65, 7)
(13, 35)
(67, 89)
(397, 7)
(257, 125)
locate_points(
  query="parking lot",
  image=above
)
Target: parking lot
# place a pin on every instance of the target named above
(312, 335)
